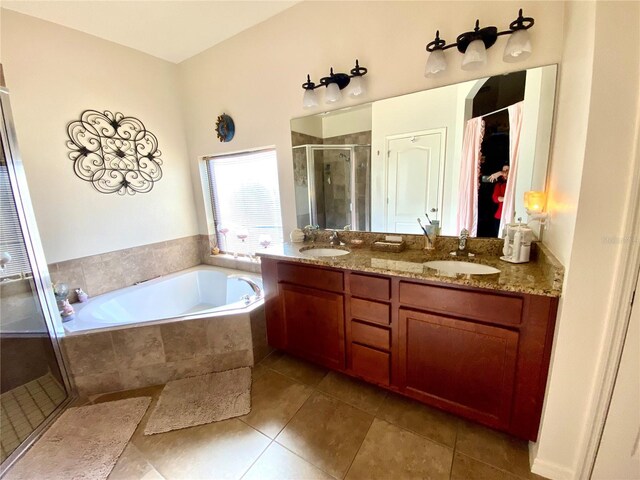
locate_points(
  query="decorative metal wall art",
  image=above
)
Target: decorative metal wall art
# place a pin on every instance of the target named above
(117, 154)
(225, 128)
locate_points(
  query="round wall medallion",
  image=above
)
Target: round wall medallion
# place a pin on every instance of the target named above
(225, 128)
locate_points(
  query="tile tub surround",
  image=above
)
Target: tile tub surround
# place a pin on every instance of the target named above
(145, 355)
(225, 260)
(110, 271)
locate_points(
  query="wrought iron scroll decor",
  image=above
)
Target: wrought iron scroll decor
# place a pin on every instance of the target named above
(117, 154)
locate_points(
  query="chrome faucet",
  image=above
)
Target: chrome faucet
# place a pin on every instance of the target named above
(462, 242)
(334, 239)
(254, 286)
(310, 232)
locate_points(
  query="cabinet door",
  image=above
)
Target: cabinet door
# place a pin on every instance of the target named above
(463, 367)
(314, 322)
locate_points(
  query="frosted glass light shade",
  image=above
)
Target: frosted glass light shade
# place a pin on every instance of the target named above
(333, 93)
(436, 63)
(309, 99)
(518, 47)
(534, 201)
(475, 57)
(356, 87)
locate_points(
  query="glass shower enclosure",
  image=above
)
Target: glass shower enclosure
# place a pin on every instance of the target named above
(34, 387)
(332, 186)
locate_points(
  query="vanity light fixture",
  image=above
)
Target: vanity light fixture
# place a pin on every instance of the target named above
(474, 45)
(334, 84)
(534, 203)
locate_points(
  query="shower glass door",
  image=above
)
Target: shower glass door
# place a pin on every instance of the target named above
(332, 175)
(32, 382)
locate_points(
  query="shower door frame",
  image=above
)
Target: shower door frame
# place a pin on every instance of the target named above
(313, 205)
(41, 278)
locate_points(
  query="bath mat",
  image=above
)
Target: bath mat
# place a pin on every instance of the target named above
(199, 400)
(83, 444)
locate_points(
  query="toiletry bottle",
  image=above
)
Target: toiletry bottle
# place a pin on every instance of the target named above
(82, 296)
(506, 248)
(517, 243)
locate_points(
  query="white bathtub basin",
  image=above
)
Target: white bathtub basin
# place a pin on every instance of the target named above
(196, 291)
(451, 267)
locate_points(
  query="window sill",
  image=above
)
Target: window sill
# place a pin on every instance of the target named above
(226, 260)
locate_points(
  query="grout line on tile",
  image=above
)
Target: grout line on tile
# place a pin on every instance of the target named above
(259, 456)
(417, 433)
(359, 448)
(305, 460)
(500, 469)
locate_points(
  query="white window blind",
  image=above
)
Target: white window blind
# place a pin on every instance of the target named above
(245, 196)
(11, 239)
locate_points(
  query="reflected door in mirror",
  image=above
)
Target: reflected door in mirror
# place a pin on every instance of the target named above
(413, 185)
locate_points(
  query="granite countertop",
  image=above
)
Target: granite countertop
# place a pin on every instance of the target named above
(542, 276)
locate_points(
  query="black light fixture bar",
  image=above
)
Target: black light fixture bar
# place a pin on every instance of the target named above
(340, 79)
(488, 35)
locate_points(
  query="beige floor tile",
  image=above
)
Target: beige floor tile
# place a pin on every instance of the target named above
(258, 370)
(278, 463)
(466, 468)
(327, 433)
(274, 400)
(494, 448)
(299, 370)
(132, 465)
(389, 452)
(218, 450)
(419, 418)
(354, 392)
(272, 358)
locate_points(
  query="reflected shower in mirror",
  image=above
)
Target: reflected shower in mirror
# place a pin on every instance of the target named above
(464, 154)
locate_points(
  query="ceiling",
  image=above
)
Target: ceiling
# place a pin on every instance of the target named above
(173, 30)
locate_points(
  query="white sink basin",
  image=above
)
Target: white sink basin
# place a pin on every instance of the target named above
(451, 267)
(323, 252)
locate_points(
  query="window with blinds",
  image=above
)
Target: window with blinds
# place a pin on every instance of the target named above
(246, 200)
(11, 240)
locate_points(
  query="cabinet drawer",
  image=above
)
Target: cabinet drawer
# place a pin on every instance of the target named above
(476, 305)
(310, 277)
(369, 335)
(371, 311)
(370, 287)
(370, 364)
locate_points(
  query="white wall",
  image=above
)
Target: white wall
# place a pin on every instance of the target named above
(54, 73)
(592, 161)
(256, 75)
(535, 141)
(352, 120)
(311, 125)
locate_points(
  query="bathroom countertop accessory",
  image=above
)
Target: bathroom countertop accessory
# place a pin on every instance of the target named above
(296, 236)
(517, 243)
(391, 243)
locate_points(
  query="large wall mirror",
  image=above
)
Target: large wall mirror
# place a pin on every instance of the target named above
(463, 154)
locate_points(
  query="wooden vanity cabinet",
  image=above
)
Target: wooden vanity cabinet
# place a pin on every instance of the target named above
(481, 354)
(305, 312)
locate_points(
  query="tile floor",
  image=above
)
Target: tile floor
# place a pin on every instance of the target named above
(308, 423)
(25, 407)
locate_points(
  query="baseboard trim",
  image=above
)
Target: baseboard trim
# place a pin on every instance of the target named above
(551, 470)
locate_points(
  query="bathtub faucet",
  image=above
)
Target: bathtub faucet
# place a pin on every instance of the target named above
(254, 286)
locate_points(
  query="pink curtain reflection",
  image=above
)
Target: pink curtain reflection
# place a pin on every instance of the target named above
(515, 128)
(469, 171)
